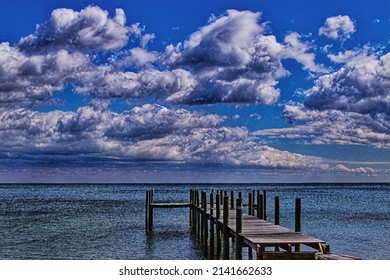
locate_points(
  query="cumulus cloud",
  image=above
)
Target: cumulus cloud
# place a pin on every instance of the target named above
(300, 52)
(363, 170)
(338, 27)
(138, 58)
(348, 106)
(228, 60)
(361, 86)
(91, 29)
(331, 127)
(149, 132)
(25, 79)
(233, 60)
(106, 82)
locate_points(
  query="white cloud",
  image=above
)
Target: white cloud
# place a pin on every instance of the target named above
(299, 51)
(146, 39)
(139, 58)
(231, 60)
(28, 79)
(106, 82)
(338, 27)
(362, 86)
(228, 60)
(91, 29)
(364, 170)
(149, 132)
(332, 127)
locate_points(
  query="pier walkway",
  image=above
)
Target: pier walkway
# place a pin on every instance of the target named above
(224, 230)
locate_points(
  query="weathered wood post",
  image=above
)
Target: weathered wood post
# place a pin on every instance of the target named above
(193, 212)
(277, 214)
(232, 200)
(265, 205)
(212, 227)
(250, 204)
(260, 205)
(205, 223)
(277, 210)
(298, 216)
(225, 228)
(147, 211)
(239, 229)
(197, 215)
(218, 226)
(191, 209)
(201, 218)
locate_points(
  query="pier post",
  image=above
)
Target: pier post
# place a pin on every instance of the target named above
(250, 204)
(218, 226)
(225, 228)
(298, 216)
(205, 223)
(201, 218)
(239, 229)
(260, 206)
(147, 211)
(197, 214)
(265, 205)
(191, 201)
(277, 210)
(277, 214)
(212, 227)
(232, 200)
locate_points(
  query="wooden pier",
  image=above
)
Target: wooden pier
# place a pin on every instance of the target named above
(223, 229)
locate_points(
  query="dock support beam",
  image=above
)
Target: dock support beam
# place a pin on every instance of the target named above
(149, 211)
(225, 228)
(212, 227)
(264, 205)
(298, 216)
(239, 229)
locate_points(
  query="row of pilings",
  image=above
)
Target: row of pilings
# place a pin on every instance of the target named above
(209, 220)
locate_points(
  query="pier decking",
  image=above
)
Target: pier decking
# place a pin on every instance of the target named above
(224, 230)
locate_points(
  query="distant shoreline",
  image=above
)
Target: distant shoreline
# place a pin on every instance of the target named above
(203, 183)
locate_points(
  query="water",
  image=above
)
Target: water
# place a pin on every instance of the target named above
(107, 221)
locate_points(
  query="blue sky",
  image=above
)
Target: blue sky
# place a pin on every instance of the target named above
(183, 91)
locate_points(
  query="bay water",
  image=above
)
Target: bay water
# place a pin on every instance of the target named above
(107, 221)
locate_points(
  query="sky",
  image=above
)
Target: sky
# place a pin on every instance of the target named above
(194, 91)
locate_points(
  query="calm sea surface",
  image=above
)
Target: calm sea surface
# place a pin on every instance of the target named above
(107, 221)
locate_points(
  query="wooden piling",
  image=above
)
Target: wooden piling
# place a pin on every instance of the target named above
(198, 222)
(218, 227)
(202, 194)
(212, 227)
(205, 224)
(239, 216)
(225, 228)
(264, 205)
(277, 210)
(260, 205)
(191, 208)
(147, 212)
(250, 204)
(298, 216)
(231, 200)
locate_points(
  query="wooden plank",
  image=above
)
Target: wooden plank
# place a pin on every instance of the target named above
(171, 205)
